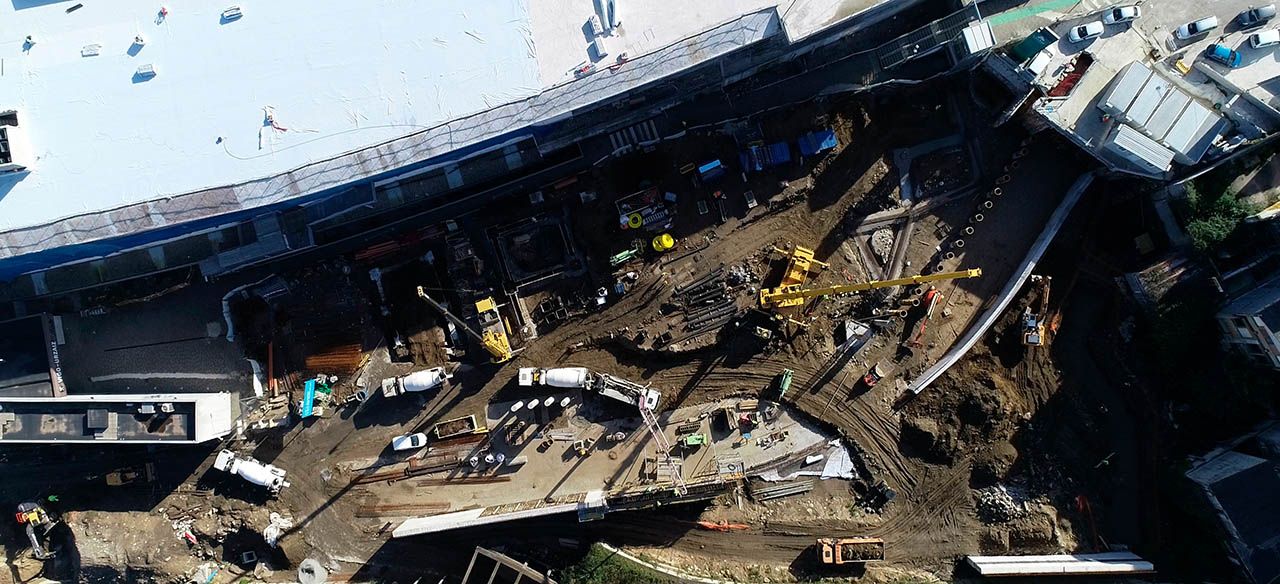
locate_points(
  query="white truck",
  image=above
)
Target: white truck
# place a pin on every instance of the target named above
(640, 396)
(251, 470)
(415, 382)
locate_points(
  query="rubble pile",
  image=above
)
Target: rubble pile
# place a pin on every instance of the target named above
(997, 505)
(882, 243)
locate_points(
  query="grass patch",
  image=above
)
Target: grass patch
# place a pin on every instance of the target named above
(1213, 214)
(601, 566)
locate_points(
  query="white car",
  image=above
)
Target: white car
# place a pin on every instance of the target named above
(1264, 38)
(409, 441)
(1121, 14)
(1197, 28)
(1085, 31)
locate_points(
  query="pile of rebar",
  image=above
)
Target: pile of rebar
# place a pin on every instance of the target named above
(777, 491)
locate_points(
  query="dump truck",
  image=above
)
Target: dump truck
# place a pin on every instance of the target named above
(607, 385)
(415, 382)
(251, 470)
(457, 427)
(850, 550)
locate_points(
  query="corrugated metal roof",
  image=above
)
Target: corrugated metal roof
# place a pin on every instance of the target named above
(1194, 131)
(1124, 88)
(1137, 147)
(1168, 113)
(1148, 100)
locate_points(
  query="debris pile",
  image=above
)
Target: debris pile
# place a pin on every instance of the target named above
(882, 243)
(996, 505)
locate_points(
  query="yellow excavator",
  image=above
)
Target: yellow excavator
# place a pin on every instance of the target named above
(493, 335)
(793, 295)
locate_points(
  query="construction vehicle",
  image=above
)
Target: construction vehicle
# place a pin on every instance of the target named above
(627, 392)
(850, 550)
(1033, 322)
(37, 522)
(800, 262)
(784, 382)
(931, 300)
(493, 335)
(793, 295)
(415, 382)
(642, 397)
(251, 470)
(463, 426)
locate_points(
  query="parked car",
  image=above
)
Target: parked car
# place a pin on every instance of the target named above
(1085, 31)
(1256, 15)
(409, 441)
(1223, 54)
(1264, 38)
(1121, 14)
(1197, 28)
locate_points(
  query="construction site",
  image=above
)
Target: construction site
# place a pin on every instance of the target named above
(863, 336)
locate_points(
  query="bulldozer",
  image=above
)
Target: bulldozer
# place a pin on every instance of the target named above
(38, 522)
(1034, 321)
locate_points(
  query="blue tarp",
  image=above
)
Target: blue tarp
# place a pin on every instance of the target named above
(779, 153)
(819, 141)
(711, 170)
(758, 157)
(308, 398)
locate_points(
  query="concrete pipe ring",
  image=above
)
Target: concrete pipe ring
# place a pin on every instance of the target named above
(959, 243)
(1003, 179)
(987, 204)
(968, 230)
(996, 192)
(949, 256)
(978, 218)
(1015, 164)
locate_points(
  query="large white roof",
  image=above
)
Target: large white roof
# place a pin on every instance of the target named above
(338, 75)
(334, 76)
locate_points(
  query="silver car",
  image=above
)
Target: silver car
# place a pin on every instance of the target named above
(1197, 28)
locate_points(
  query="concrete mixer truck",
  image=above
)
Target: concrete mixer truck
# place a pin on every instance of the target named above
(251, 470)
(414, 382)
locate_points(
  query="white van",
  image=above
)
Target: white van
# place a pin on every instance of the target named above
(1264, 38)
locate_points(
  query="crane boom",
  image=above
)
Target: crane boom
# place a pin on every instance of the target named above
(495, 343)
(772, 297)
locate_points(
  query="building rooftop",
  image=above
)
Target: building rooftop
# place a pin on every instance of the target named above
(299, 87)
(1242, 485)
(1262, 301)
(186, 418)
(1142, 76)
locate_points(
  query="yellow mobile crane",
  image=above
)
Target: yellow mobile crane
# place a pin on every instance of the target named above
(784, 296)
(493, 335)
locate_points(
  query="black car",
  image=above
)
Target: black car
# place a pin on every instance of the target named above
(1256, 15)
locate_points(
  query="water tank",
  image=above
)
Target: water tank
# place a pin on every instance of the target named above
(566, 377)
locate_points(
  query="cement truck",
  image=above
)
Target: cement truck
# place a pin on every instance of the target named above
(251, 470)
(628, 392)
(414, 382)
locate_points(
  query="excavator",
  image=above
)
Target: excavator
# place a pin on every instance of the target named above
(37, 522)
(493, 335)
(792, 295)
(1033, 322)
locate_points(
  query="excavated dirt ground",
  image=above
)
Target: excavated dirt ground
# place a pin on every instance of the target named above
(1000, 419)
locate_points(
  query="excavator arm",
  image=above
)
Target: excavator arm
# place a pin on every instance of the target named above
(789, 295)
(495, 344)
